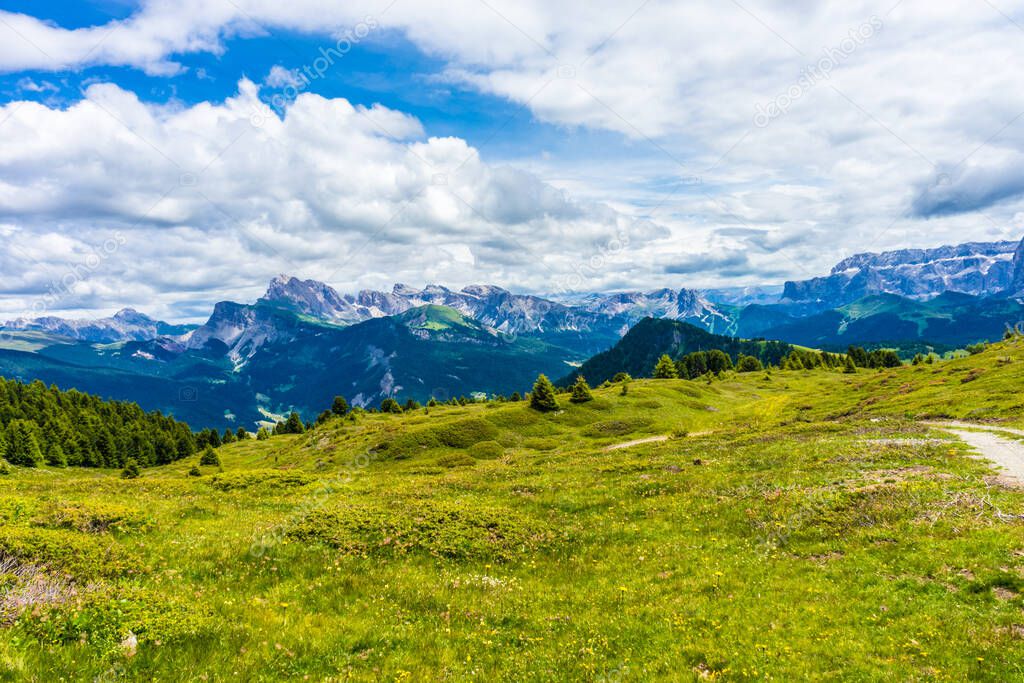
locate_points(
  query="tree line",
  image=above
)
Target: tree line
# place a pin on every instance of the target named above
(41, 424)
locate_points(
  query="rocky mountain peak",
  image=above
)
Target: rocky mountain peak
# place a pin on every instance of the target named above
(1017, 283)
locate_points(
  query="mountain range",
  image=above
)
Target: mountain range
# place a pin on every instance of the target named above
(302, 342)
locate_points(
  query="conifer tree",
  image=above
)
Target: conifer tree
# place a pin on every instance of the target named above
(581, 391)
(22, 445)
(55, 455)
(209, 457)
(849, 367)
(340, 406)
(241, 434)
(390, 405)
(131, 469)
(293, 425)
(262, 434)
(542, 397)
(229, 436)
(665, 369)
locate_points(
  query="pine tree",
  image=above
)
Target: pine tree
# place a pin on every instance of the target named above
(515, 397)
(340, 406)
(229, 436)
(581, 391)
(390, 405)
(22, 445)
(293, 425)
(55, 455)
(262, 434)
(131, 469)
(195, 472)
(749, 364)
(5, 469)
(543, 396)
(665, 369)
(209, 457)
(241, 434)
(849, 367)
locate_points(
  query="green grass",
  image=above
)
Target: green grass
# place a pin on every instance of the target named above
(794, 525)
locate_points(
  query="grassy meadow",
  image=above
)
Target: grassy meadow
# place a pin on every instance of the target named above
(798, 524)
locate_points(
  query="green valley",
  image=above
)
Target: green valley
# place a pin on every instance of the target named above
(772, 524)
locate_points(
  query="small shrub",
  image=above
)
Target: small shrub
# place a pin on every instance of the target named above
(486, 450)
(465, 433)
(456, 460)
(131, 469)
(78, 555)
(268, 479)
(101, 619)
(541, 444)
(615, 427)
(195, 471)
(94, 518)
(5, 468)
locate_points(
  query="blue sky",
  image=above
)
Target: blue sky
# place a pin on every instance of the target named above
(591, 146)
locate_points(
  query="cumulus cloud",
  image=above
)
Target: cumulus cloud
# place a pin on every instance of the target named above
(280, 77)
(164, 202)
(798, 137)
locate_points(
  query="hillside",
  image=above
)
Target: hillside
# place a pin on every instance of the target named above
(789, 525)
(249, 364)
(638, 351)
(951, 319)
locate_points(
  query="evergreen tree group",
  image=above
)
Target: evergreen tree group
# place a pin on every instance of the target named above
(40, 424)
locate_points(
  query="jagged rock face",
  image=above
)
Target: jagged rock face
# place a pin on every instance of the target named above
(1017, 282)
(125, 325)
(493, 306)
(975, 268)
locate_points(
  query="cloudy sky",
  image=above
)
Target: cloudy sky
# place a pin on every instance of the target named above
(166, 154)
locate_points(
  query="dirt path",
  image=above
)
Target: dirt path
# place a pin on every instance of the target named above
(636, 442)
(649, 439)
(972, 425)
(1007, 454)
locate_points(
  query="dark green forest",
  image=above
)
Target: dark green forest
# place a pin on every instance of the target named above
(638, 351)
(41, 424)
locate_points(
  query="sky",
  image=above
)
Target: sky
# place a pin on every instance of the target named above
(168, 154)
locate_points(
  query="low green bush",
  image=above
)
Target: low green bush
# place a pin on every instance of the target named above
(486, 450)
(266, 479)
(95, 517)
(458, 530)
(78, 555)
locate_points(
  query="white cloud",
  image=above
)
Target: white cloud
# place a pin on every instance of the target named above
(215, 198)
(280, 77)
(919, 119)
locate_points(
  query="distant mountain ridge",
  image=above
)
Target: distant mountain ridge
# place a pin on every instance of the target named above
(126, 324)
(977, 268)
(491, 305)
